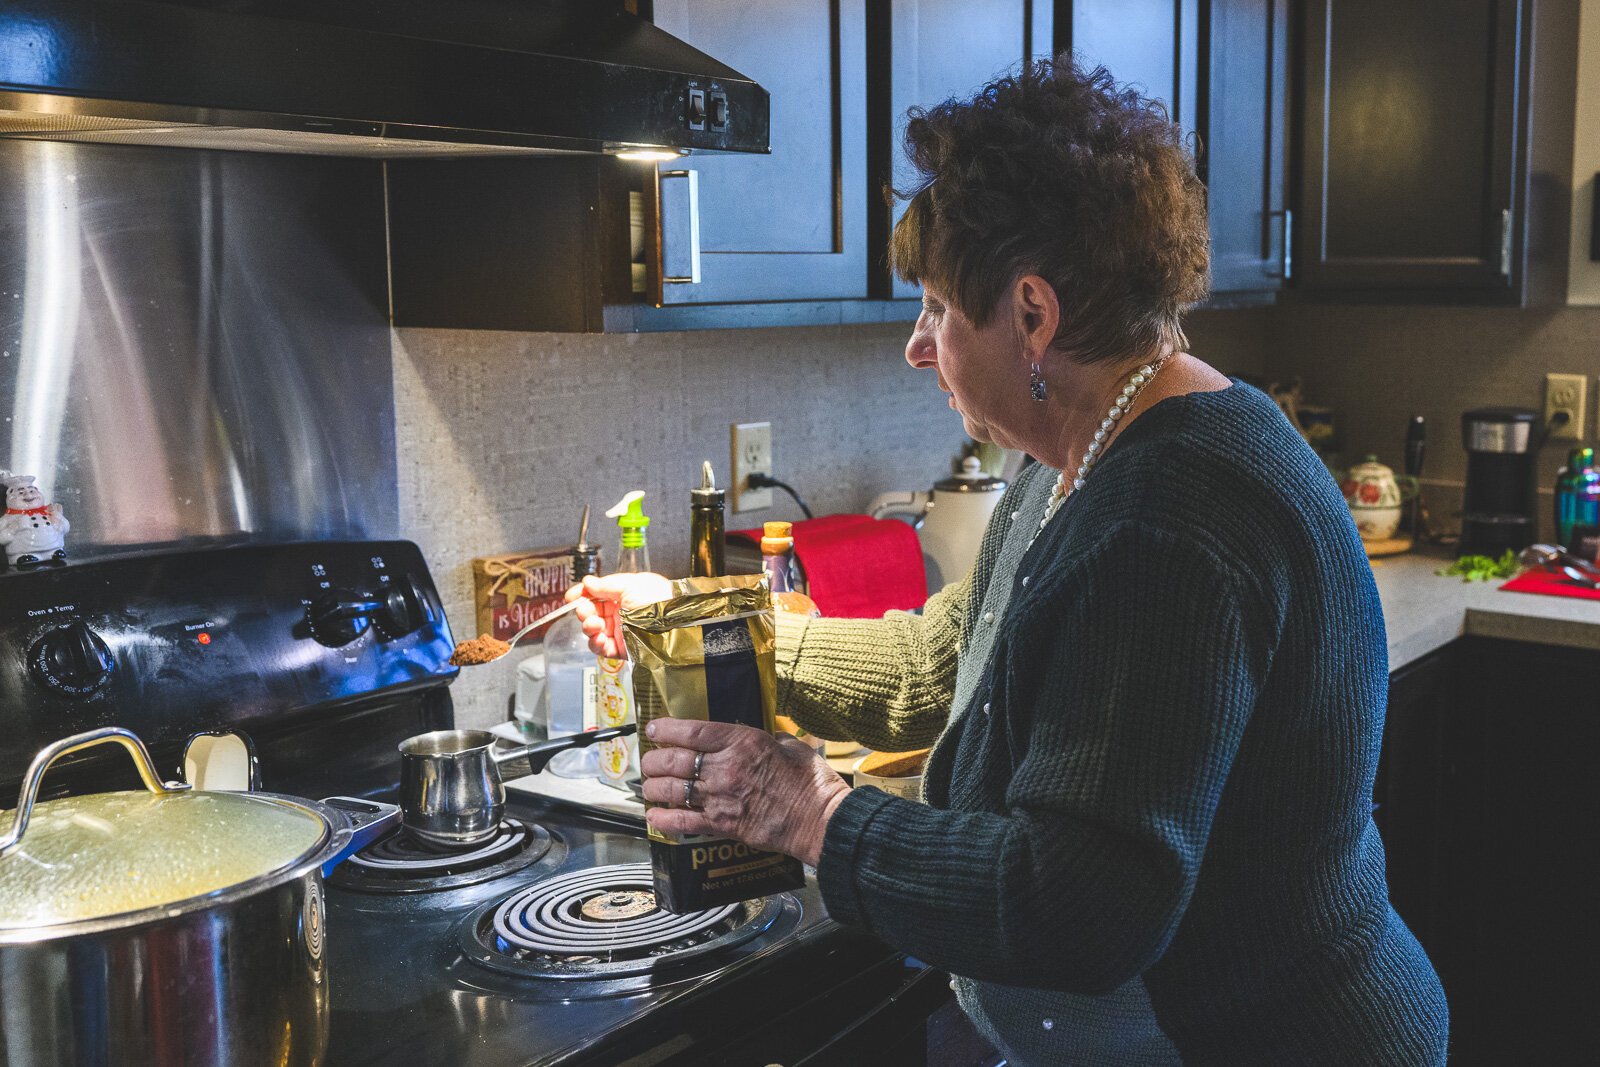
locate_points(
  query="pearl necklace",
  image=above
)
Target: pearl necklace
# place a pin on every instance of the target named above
(1108, 425)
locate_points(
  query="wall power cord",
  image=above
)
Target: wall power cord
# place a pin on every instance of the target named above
(766, 481)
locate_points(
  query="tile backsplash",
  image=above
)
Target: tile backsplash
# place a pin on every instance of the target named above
(1378, 366)
(503, 437)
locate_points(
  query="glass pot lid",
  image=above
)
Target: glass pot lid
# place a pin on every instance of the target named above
(110, 854)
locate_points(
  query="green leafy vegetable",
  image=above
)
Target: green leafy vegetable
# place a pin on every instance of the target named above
(1482, 568)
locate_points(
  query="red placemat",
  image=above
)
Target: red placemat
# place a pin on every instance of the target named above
(858, 567)
(1551, 584)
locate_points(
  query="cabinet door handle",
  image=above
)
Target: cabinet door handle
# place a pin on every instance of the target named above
(1505, 242)
(692, 177)
(1286, 252)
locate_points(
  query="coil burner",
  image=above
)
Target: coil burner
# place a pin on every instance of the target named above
(404, 863)
(603, 923)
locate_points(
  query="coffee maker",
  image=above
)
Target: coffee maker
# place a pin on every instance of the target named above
(1499, 507)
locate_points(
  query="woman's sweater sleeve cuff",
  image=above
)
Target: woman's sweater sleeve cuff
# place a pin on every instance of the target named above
(790, 633)
(836, 872)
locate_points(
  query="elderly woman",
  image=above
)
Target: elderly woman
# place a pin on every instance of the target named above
(1155, 702)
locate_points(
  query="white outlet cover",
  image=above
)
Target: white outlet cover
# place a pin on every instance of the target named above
(752, 454)
(1567, 392)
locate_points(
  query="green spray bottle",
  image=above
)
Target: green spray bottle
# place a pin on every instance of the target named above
(612, 691)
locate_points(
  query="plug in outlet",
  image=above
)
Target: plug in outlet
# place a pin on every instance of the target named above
(752, 454)
(1567, 393)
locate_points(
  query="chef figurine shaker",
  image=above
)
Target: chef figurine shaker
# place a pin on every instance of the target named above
(32, 533)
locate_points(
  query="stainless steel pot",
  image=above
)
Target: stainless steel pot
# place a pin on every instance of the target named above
(451, 791)
(172, 926)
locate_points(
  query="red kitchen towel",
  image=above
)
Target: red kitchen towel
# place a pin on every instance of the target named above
(858, 567)
(1542, 581)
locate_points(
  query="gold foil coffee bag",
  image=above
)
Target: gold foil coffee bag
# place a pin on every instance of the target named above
(706, 653)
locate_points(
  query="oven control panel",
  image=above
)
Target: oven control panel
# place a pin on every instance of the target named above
(174, 644)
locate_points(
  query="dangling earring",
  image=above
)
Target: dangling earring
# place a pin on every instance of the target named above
(1036, 387)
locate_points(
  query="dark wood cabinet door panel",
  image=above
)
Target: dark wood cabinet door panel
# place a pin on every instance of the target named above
(1153, 45)
(790, 225)
(1487, 807)
(939, 49)
(1244, 113)
(1519, 920)
(1409, 143)
(1222, 69)
(1410, 789)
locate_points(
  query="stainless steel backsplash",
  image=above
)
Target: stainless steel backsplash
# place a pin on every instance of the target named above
(194, 344)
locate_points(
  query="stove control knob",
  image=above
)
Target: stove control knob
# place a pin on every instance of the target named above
(339, 616)
(71, 659)
(404, 610)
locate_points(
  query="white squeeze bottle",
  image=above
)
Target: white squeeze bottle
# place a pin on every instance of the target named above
(568, 664)
(612, 691)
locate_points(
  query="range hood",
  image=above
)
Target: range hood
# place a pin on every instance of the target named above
(377, 78)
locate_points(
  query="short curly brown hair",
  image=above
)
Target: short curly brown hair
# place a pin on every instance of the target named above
(1070, 176)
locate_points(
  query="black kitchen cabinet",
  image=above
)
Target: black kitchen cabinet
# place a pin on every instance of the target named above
(1152, 44)
(507, 244)
(800, 236)
(1222, 69)
(1434, 147)
(728, 239)
(1242, 116)
(1408, 795)
(921, 53)
(792, 225)
(1487, 809)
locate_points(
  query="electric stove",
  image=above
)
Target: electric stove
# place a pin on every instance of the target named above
(542, 945)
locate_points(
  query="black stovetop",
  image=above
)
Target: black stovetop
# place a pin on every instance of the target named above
(419, 977)
(322, 657)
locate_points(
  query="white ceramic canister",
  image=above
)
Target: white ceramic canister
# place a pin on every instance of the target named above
(1376, 497)
(950, 520)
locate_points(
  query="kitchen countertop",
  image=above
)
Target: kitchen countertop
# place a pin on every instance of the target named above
(1424, 612)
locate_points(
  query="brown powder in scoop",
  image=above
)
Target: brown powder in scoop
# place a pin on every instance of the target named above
(481, 649)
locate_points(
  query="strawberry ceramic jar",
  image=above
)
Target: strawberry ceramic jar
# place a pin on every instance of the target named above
(1375, 496)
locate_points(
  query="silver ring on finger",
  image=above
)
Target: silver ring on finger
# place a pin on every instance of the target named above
(699, 762)
(688, 794)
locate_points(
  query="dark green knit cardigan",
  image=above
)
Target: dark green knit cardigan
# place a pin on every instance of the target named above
(1148, 832)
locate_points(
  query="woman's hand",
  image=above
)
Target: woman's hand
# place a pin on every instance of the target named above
(601, 600)
(771, 793)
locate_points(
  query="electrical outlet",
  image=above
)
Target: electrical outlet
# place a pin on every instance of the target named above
(1568, 393)
(752, 454)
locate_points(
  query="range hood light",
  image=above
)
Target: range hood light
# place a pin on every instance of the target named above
(651, 155)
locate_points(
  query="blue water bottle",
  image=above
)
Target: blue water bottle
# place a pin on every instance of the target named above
(1577, 495)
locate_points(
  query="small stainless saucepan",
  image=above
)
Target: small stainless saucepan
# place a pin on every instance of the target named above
(451, 791)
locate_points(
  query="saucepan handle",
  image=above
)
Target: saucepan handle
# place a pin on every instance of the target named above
(65, 747)
(357, 823)
(540, 754)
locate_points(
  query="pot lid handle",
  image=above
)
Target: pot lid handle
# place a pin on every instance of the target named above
(970, 479)
(65, 747)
